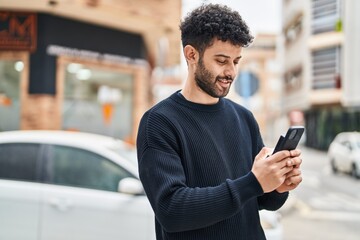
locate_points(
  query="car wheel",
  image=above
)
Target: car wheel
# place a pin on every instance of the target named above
(355, 172)
(333, 166)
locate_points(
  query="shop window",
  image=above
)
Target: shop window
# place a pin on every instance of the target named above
(10, 75)
(326, 68)
(98, 100)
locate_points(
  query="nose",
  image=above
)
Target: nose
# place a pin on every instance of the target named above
(231, 70)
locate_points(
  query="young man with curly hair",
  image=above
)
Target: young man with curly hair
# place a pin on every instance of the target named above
(201, 158)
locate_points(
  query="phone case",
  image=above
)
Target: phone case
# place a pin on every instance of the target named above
(289, 142)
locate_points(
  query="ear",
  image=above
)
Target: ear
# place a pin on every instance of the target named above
(191, 54)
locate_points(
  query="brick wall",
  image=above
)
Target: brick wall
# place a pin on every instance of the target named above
(40, 111)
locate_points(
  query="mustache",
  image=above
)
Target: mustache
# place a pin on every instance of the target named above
(225, 78)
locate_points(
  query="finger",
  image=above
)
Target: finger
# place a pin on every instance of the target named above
(296, 161)
(294, 172)
(287, 162)
(295, 153)
(294, 180)
(285, 170)
(290, 162)
(268, 151)
(290, 187)
(280, 156)
(265, 151)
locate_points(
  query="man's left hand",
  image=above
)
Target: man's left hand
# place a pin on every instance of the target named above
(293, 178)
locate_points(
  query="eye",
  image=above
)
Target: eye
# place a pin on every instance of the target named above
(221, 61)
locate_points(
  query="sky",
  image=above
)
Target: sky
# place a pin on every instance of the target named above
(262, 16)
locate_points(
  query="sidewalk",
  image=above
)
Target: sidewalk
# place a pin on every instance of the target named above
(289, 205)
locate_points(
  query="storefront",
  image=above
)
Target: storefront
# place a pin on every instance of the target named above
(323, 123)
(58, 73)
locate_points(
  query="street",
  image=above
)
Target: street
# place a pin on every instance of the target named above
(325, 205)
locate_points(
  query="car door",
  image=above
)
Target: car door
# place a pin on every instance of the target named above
(19, 190)
(81, 199)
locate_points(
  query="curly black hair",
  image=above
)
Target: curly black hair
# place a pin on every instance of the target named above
(214, 21)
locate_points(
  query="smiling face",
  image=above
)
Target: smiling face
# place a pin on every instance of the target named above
(215, 86)
(217, 68)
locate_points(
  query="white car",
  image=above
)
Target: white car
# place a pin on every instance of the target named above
(67, 185)
(344, 153)
(270, 221)
(74, 185)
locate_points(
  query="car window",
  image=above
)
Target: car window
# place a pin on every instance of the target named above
(18, 161)
(81, 168)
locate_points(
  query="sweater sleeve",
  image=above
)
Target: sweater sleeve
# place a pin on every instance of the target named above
(273, 200)
(178, 207)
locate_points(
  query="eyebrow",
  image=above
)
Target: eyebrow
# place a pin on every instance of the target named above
(225, 56)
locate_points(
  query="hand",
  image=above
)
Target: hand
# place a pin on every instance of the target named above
(272, 171)
(293, 178)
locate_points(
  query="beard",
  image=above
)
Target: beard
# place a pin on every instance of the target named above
(207, 82)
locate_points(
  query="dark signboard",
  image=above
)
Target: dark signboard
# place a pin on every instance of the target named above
(61, 36)
(18, 31)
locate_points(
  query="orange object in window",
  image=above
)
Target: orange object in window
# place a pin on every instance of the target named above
(107, 109)
(5, 101)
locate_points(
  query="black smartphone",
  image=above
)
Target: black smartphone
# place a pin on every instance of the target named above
(290, 140)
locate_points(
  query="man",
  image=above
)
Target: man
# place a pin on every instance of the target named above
(201, 157)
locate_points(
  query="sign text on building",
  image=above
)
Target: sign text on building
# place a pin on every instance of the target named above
(18, 31)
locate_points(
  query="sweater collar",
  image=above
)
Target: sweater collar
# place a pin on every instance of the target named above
(179, 98)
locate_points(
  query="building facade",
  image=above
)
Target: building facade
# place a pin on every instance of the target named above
(258, 84)
(83, 65)
(321, 51)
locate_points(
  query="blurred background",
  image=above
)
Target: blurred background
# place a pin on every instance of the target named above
(97, 65)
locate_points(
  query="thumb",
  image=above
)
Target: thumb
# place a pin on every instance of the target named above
(265, 151)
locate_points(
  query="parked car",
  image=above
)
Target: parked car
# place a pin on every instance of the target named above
(68, 185)
(270, 221)
(344, 153)
(73, 185)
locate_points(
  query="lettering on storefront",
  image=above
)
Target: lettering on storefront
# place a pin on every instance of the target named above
(56, 50)
(18, 31)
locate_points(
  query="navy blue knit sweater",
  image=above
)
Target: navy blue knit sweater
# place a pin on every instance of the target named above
(195, 164)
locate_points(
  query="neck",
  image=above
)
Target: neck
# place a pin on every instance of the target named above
(193, 93)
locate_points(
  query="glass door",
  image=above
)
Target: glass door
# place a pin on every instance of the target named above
(11, 75)
(98, 100)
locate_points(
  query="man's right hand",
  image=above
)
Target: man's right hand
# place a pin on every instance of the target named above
(271, 171)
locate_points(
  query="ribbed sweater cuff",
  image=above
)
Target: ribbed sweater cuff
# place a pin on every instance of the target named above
(246, 188)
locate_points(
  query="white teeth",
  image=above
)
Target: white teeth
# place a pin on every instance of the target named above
(224, 81)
